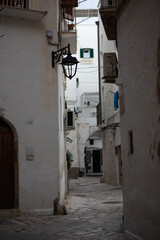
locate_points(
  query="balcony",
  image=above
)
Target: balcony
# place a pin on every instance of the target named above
(68, 25)
(67, 9)
(110, 11)
(24, 9)
(110, 71)
(68, 3)
(108, 15)
(107, 4)
(69, 35)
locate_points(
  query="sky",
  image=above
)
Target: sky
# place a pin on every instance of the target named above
(88, 4)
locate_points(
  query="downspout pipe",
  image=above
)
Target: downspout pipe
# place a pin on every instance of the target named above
(59, 25)
(99, 65)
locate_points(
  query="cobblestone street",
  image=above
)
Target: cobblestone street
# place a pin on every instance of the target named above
(94, 212)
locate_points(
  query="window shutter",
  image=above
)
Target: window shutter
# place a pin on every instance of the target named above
(91, 53)
(68, 14)
(81, 53)
(69, 3)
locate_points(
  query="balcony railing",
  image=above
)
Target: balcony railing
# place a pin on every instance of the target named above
(108, 15)
(37, 5)
(108, 3)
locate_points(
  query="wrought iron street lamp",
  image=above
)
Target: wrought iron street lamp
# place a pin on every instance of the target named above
(68, 63)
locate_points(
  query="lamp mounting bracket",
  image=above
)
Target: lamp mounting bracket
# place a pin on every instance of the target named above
(56, 56)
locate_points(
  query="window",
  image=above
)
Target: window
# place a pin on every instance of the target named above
(130, 133)
(91, 141)
(86, 53)
(77, 82)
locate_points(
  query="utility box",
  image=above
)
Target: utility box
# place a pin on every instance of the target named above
(110, 71)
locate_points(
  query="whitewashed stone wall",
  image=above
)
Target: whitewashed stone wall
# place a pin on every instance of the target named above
(138, 36)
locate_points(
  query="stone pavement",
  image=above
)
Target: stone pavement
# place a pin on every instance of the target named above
(94, 212)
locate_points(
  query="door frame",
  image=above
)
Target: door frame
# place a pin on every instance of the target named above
(16, 172)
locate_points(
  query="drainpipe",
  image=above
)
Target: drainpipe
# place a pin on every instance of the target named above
(99, 66)
(59, 25)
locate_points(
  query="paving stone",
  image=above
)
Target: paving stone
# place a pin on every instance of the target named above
(94, 212)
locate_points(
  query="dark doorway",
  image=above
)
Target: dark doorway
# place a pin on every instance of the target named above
(96, 161)
(7, 167)
(88, 161)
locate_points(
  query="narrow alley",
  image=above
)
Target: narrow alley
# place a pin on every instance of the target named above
(94, 212)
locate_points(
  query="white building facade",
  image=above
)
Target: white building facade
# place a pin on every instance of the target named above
(82, 93)
(139, 64)
(108, 108)
(32, 108)
(135, 25)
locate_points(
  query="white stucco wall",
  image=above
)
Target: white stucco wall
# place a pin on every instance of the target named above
(110, 138)
(138, 34)
(86, 120)
(29, 90)
(110, 161)
(84, 123)
(97, 144)
(72, 147)
(62, 138)
(87, 73)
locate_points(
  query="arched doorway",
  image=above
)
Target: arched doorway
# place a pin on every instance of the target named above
(8, 167)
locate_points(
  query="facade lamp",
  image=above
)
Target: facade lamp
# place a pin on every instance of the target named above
(68, 63)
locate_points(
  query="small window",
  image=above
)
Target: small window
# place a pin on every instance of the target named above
(77, 82)
(130, 133)
(86, 53)
(91, 141)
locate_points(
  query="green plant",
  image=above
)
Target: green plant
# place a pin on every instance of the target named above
(69, 158)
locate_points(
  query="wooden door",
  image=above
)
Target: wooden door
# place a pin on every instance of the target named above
(7, 183)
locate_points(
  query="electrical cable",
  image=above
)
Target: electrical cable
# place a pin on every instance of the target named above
(87, 67)
(87, 72)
